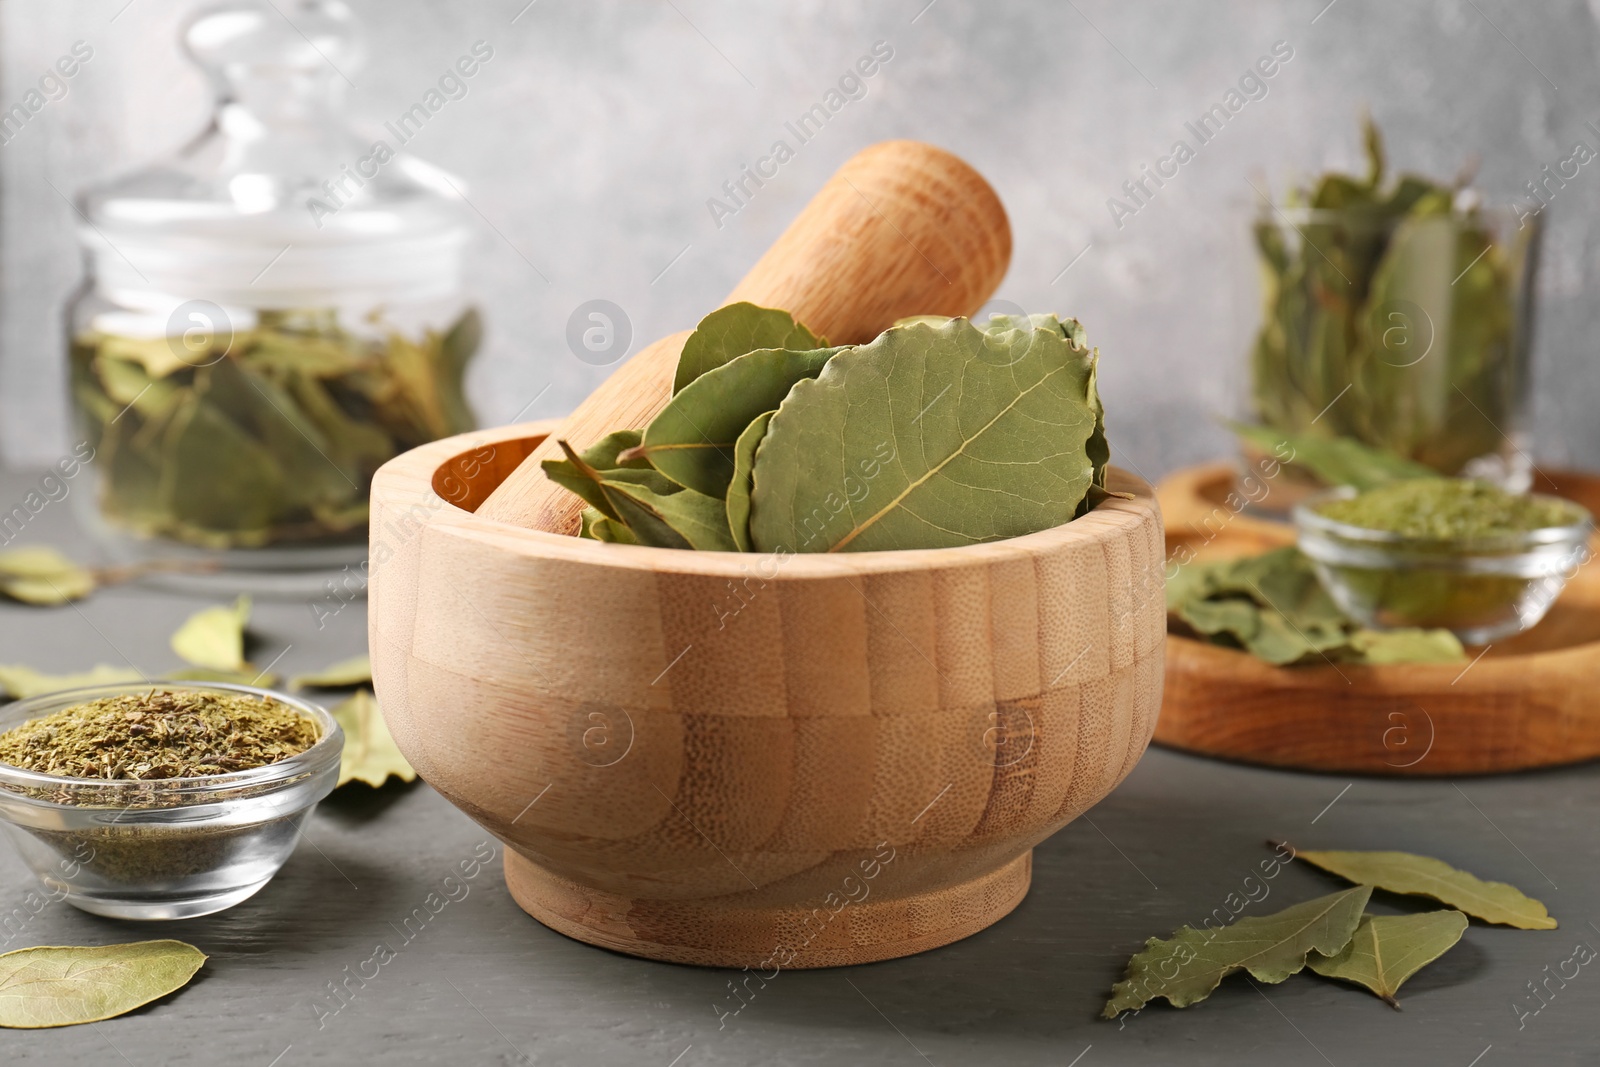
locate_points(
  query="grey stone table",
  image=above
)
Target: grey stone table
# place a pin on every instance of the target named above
(475, 981)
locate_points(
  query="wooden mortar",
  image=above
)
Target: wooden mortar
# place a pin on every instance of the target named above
(903, 228)
(745, 760)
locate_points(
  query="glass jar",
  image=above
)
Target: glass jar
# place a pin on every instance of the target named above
(1410, 335)
(268, 316)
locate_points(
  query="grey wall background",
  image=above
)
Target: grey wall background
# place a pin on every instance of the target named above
(593, 139)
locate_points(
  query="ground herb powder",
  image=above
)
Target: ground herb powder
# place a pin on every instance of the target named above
(159, 734)
(1449, 509)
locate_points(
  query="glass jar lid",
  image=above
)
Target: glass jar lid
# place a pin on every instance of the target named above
(277, 203)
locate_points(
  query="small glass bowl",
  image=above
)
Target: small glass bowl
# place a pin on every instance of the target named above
(167, 848)
(1481, 589)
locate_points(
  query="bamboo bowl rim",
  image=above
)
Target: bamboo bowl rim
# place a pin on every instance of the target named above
(418, 472)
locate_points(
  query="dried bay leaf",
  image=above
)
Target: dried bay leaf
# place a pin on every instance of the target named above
(54, 985)
(24, 682)
(248, 676)
(928, 437)
(214, 637)
(370, 754)
(738, 499)
(1187, 967)
(1387, 949)
(1407, 646)
(734, 330)
(1335, 460)
(684, 519)
(41, 575)
(692, 440)
(357, 670)
(585, 473)
(1424, 876)
(596, 526)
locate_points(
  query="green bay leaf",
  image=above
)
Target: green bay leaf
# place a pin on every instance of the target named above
(738, 499)
(734, 330)
(56, 985)
(692, 440)
(248, 676)
(1187, 967)
(684, 519)
(928, 437)
(370, 754)
(42, 575)
(24, 682)
(357, 670)
(1387, 949)
(1335, 460)
(1424, 876)
(582, 472)
(1406, 646)
(214, 637)
(597, 526)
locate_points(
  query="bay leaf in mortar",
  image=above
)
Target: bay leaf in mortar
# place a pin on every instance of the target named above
(744, 458)
(596, 526)
(582, 472)
(1424, 876)
(734, 330)
(928, 437)
(1388, 949)
(214, 637)
(53, 985)
(1187, 967)
(684, 519)
(692, 440)
(370, 754)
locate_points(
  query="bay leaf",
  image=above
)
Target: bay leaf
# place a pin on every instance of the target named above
(1187, 967)
(1387, 949)
(357, 670)
(53, 985)
(24, 682)
(738, 499)
(691, 441)
(927, 437)
(596, 526)
(248, 676)
(1424, 876)
(684, 519)
(370, 754)
(41, 575)
(584, 473)
(1407, 646)
(734, 330)
(214, 637)
(216, 477)
(1336, 460)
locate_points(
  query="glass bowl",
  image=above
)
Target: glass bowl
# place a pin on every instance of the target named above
(1482, 589)
(167, 848)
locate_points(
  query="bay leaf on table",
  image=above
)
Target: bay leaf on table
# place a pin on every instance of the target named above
(1187, 967)
(927, 437)
(738, 499)
(684, 519)
(357, 670)
(691, 441)
(1407, 646)
(370, 754)
(248, 676)
(214, 637)
(1387, 949)
(55, 985)
(24, 682)
(1424, 876)
(39, 574)
(734, 330)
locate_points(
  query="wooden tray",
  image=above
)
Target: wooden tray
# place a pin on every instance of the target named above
(1530, 701)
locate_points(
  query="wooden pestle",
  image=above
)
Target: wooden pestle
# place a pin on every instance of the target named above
(903, 228)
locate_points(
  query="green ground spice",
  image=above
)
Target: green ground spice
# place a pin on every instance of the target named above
(1449, 508)
(159, 734)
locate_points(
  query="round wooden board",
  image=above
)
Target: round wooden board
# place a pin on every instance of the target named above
(1529, 701)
